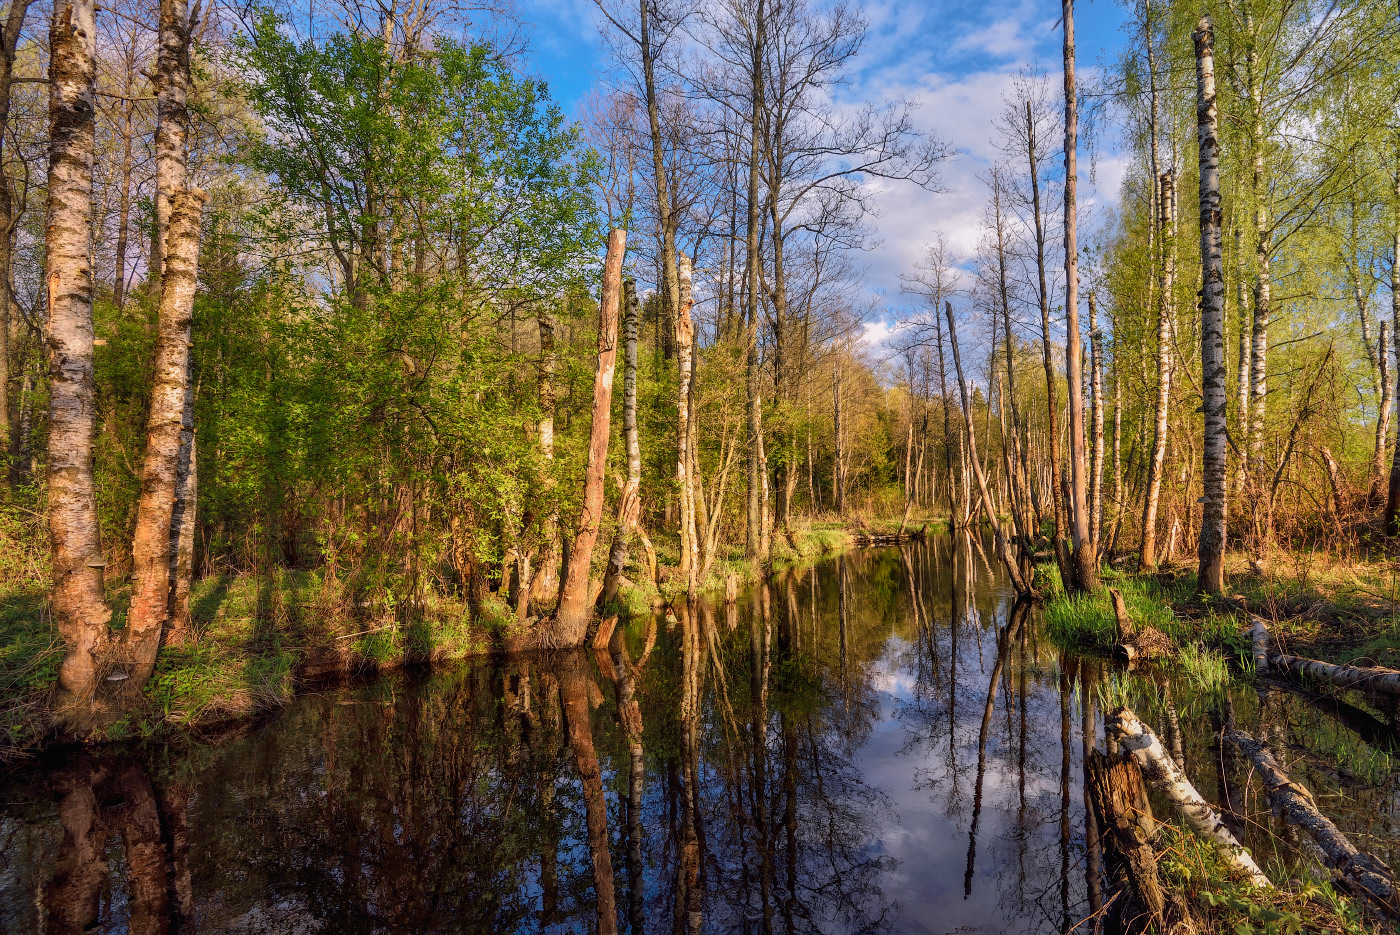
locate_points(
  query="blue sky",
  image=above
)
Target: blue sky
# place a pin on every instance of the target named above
(955, 59)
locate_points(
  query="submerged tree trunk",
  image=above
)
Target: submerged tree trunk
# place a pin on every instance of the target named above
(151, 565)
(1210, 576)
(628, 503)
(77, 600)
(570, 624)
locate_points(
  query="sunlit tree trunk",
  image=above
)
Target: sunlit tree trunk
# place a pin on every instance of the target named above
(1086, 570)
(838, 467)
(172, 81)
(151, 582)
(1392, 500)
(752, 259)
(1263, 249)
(685, 482)
(670, 273)
(570, 623)
(628, 502)
(1097, 452)
(182, 518)
(1166, 212)
(1210, 576)
(545, 585)
(1052, 406)
(77, 601)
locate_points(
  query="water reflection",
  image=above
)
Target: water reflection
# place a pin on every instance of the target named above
(883, 743)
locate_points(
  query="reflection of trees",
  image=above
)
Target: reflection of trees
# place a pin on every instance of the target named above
(723, 781)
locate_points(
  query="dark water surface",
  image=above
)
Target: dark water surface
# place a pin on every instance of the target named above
(882, 743)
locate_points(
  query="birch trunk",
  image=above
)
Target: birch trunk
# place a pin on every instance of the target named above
(1259, 350)
(1210, 576)
(1086, 570)
(628, 504)
(544, 588)
(1160, 770)
(77, 600)
(1013, 569)
(685, 483)
(172, 82)
(151, 579)
(1052, 407)
(1392, 500)
(1166, 214)
(570, 624)
(753, 259)
(1097, 456)
(182, 520)
(838, 473)
(1364, 874)
(9, 219)
(1245, 350)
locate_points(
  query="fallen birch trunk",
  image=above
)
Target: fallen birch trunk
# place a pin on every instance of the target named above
(1376, 680)
(1160, 770)
(1363, 874)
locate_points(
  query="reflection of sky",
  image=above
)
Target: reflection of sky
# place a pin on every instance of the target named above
(927, 836)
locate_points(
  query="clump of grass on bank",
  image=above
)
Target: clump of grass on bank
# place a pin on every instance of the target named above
(1201, 644)
(1194, 868)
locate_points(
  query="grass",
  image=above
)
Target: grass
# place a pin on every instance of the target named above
(1194, 868)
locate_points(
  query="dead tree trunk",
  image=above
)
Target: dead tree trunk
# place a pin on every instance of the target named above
(570, 624)
(1362, 874)
(1127, 828)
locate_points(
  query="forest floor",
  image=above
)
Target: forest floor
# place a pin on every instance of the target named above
(260, 636)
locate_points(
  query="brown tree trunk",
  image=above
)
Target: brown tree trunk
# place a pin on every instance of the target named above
(151, 579)
(1210, 576)
(570, 624)
(78, 603)
(838, 466)
(752, 259)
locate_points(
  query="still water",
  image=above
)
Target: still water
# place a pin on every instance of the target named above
(882, 743)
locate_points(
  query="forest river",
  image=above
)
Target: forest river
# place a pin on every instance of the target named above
(882, 742)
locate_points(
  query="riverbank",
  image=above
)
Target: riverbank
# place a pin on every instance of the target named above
(259, 638)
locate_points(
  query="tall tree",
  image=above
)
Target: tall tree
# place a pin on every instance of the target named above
(1086, 571)
(1210, 576)
(78, 601)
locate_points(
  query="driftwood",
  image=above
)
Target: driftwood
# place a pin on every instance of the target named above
(1376, 680)
(1160, 770)
(1361, 874)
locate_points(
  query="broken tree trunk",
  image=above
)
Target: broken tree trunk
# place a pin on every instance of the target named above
(570, 623)
(1362, 874)
(1160, 770)
(1127, 826)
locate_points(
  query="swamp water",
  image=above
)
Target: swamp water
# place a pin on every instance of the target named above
(881, 743)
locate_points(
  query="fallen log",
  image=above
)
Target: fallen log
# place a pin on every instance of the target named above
(1362, 874)
(1160, 770)
(1376, 680)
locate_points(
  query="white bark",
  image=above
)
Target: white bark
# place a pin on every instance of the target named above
(1168, 779)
